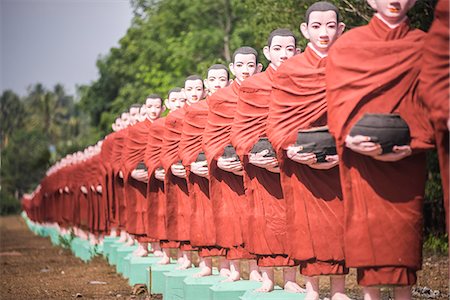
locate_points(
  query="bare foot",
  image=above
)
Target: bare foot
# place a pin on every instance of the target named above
(312, 295)
(293, 287)
(224, 272)
(255, 276)
(205, 271)
(185, 265)
(164, 261)
(340, 296)
(141, 253)
(158, 253)
(266, 287)
(234, 276)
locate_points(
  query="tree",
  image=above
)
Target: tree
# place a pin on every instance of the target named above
(12, 115)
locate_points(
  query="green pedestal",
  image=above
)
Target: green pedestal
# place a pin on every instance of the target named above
(138, 269)
(232, 290)
(85, 250)
(174, 289)
(122, 252)
(277, 294)
(126, 265)
(107, 242)
(156, 277)
(54, 237)
(198, 288)
(112, 254)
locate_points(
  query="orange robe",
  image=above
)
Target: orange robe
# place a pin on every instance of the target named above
(375, 69)
(314, 206)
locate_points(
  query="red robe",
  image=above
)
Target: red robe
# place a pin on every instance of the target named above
(118, 183)
(135, 191)
(178, 204)
(267, 220)
(107, 180)
(314, 206)
(375, 69)
(434, 88)
(202, 229)
(226, 189)
(155, 218)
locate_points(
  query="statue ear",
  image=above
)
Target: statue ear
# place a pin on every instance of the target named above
(341, 28)
(259, 68)
(231, 67)
(373, 4)
(304, 30)
(266, 52)
(298, 51)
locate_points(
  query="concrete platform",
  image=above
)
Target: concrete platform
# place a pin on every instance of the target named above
(156, 279)
(107, 242)
(232, 290)
(122, 252)
(138, 269)
(277, 294)
(112, 253)
(174, 289)
(198, 288)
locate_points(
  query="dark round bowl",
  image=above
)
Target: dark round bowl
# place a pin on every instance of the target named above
(318, 141)
(141, 166)
(201, 157)
(264, 144)
(388, 130)
(229, 152)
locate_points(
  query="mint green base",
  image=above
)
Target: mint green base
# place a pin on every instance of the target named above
(156, 277)
(122, 252)
(174, 283)
(107, 242)
(126, 265)
(232, 290)
(54, 237)
(198, 288)
(138, 269)
(82, 249)
(277, 294)
(112, 254)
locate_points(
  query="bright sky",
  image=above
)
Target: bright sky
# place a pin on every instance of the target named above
(57, 41)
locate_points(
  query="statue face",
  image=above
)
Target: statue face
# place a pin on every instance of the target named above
(244, 66)
(282, 48)
(134, 115)
(193, 90)
(176, 100)
(142, 113)
(216, 79)
(392, 11)
(322, 29)
(125, 119)
(154, 108)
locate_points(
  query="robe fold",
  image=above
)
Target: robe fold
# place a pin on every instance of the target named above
(375, 69)
(202, 229)
(226, 189)
(314, 206)
(435, 90)
(155, 218)
(108, 179)
(267, 218)
(178, 204)
(135, 191)
(118, 183)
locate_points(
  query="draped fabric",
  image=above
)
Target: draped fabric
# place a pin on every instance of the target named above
(135, 191)
(435, 90)
(314, 207)
(202, 229)
(375, 69)
(227, 192)
(155, 218)
(178, 205)
(267, 217)
(118, 183)
(108, 178)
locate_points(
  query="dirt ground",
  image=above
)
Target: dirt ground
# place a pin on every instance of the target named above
(31, 268)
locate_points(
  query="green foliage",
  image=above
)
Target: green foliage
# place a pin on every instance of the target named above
(8, 204)
(12, 115)
(436, 244)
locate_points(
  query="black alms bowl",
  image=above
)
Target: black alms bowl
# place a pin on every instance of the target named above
(229, 152)
(386, 129)
(201, 156)
(263, 144)
(141, 166)
(318, 141)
